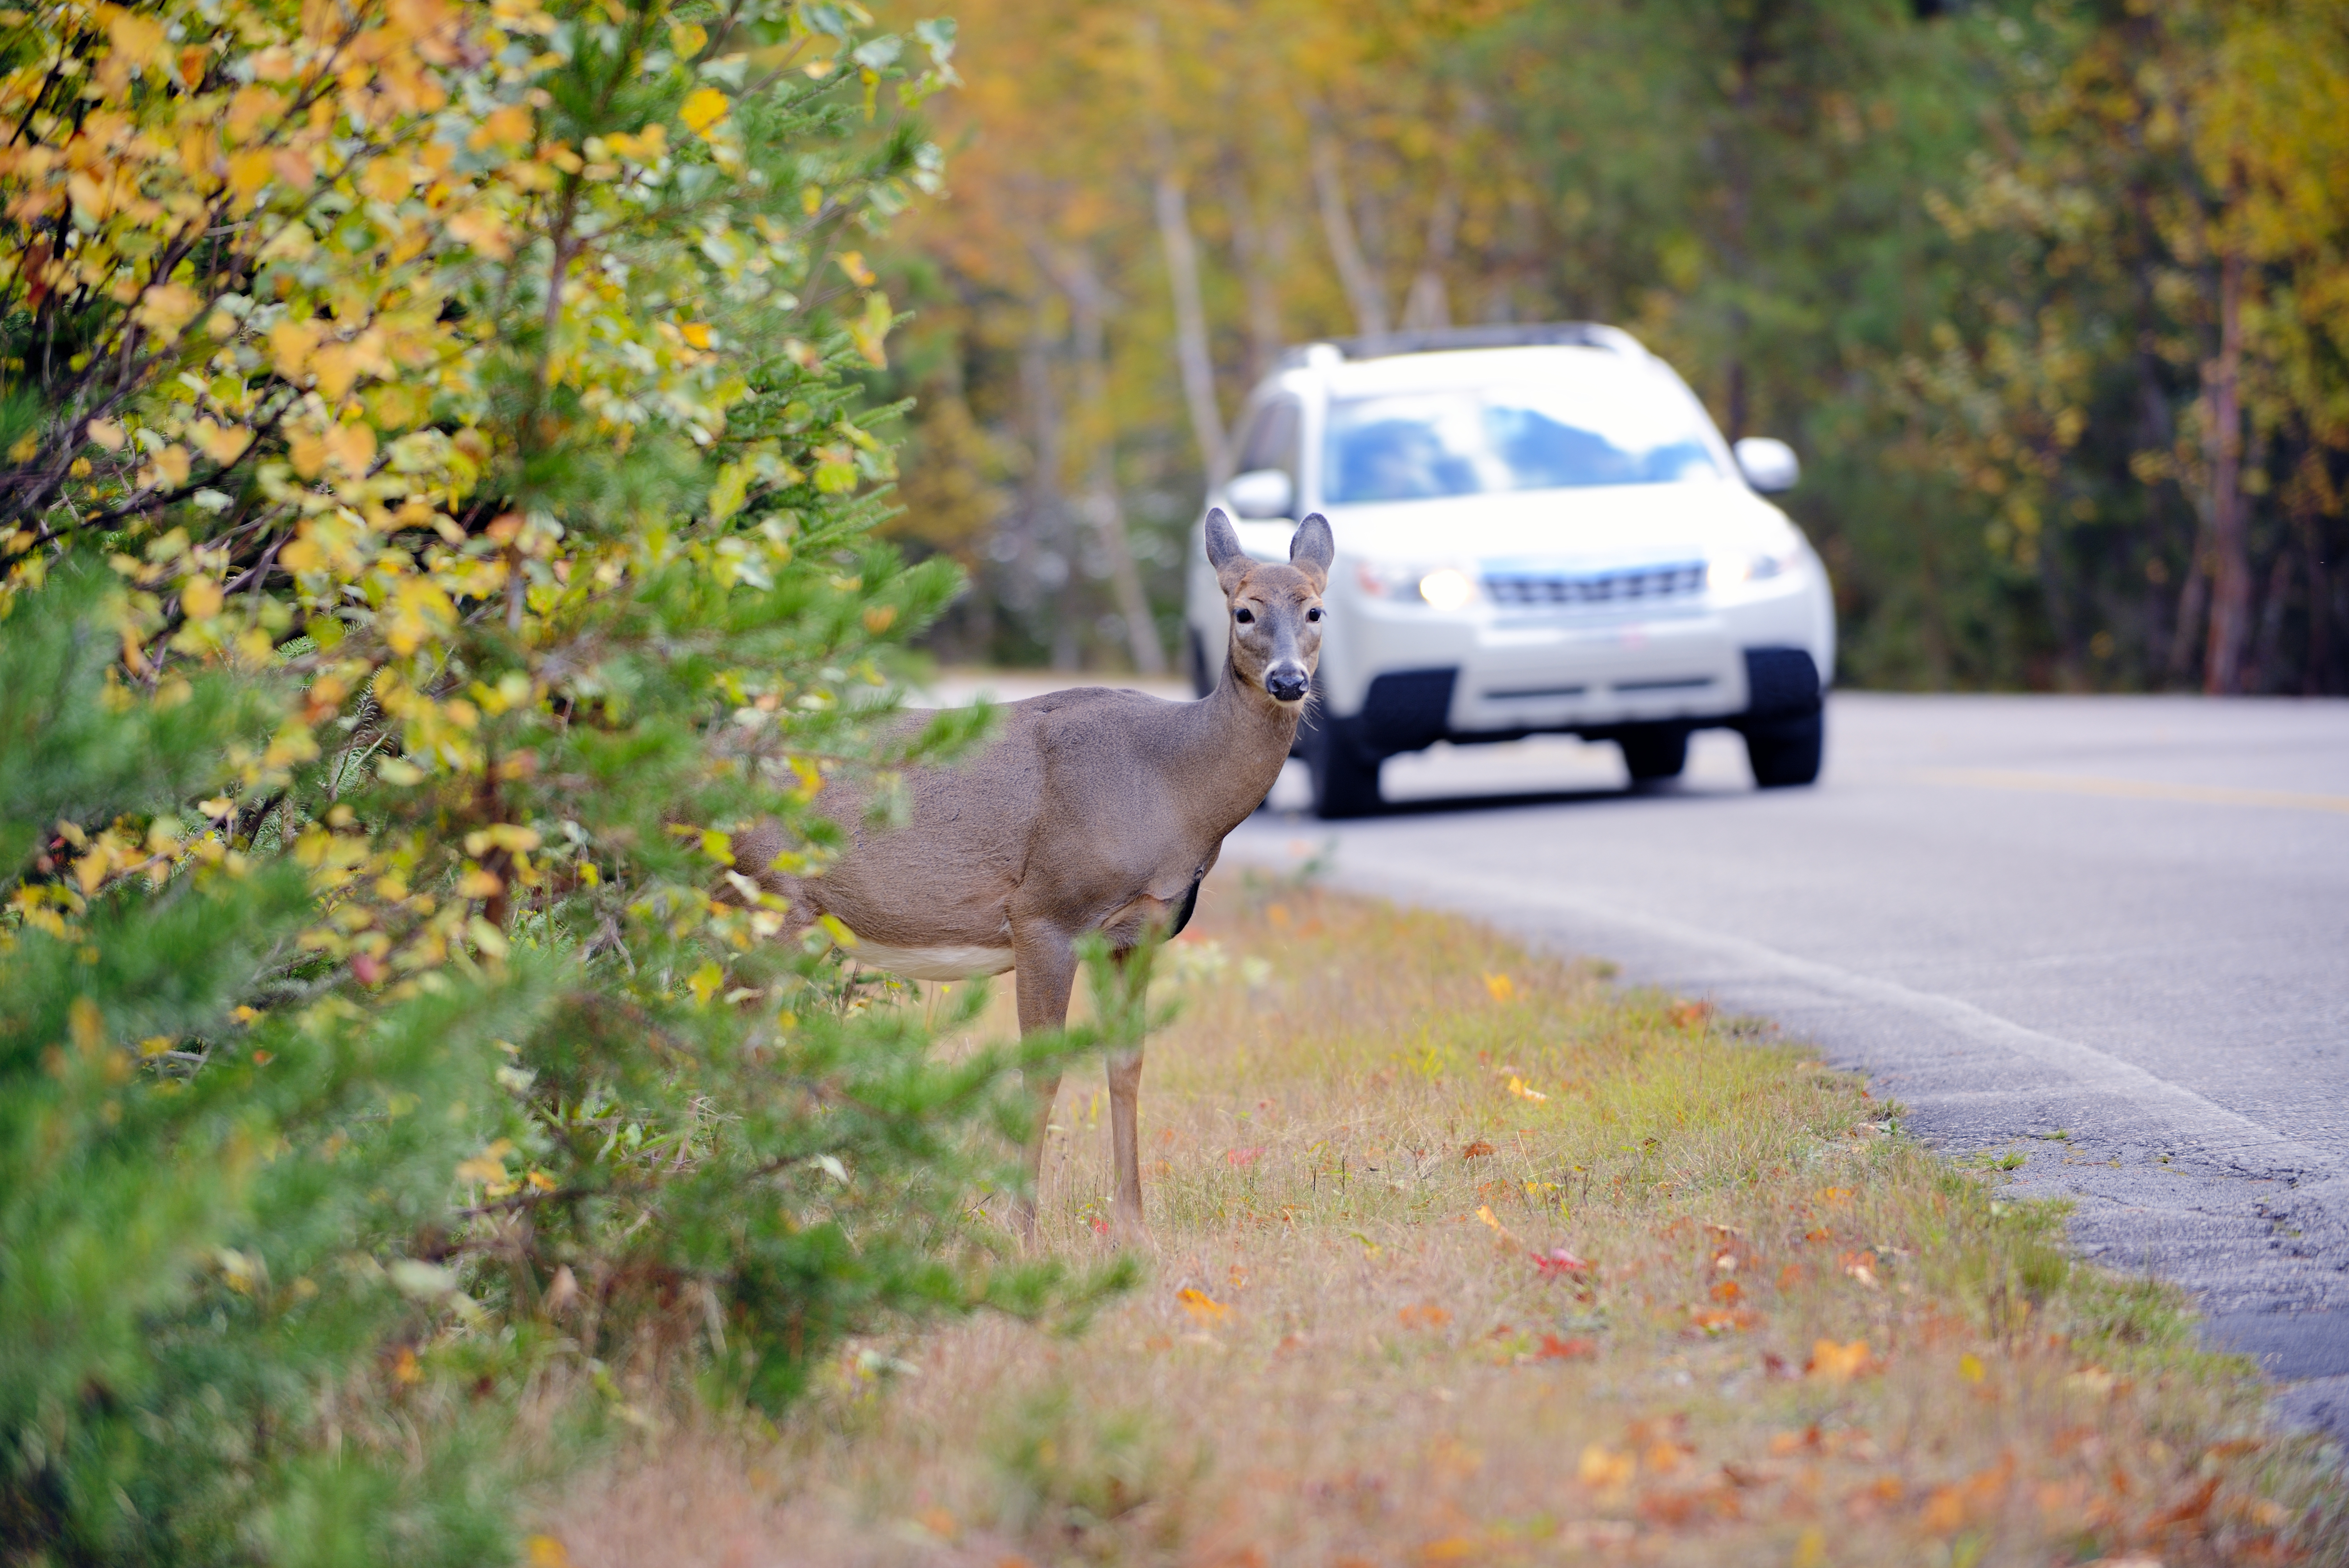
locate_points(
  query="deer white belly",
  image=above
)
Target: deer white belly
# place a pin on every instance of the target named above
(948, 962)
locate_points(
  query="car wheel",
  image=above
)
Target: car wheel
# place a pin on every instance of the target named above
(1344, 785)
(1785, 751)
(1654, 752)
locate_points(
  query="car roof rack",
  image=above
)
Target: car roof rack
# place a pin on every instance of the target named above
(1504, 335)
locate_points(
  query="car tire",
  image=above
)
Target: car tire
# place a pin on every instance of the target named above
(1654, 752)
(1786, 751)
(1344, 783)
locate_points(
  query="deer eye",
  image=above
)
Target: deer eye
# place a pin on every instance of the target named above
(1314, 613)
(1245, 617)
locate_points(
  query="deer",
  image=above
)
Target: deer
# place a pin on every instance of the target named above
(1087, 810)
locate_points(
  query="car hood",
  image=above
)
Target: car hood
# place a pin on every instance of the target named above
(1596, 527)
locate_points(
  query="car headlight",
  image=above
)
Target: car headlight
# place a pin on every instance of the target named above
(1751, 566)
(1442, 588)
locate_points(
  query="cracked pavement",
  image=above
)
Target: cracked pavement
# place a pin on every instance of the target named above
(2108, 934)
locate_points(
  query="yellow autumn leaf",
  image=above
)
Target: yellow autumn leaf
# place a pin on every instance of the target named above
(706, 980)
(165, 308)
(87, 1024)
(170, 467)
(200, 598)
(852, 263)
(135, 38)
(222, 445)
(704, 108)
(351, 447)
(106, 433)
(1970, 1368)
(247, 173)
(1501, 986)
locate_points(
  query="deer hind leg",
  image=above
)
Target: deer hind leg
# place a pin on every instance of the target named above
(1045, 972)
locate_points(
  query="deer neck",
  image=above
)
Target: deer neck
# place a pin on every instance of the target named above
(1234, 746)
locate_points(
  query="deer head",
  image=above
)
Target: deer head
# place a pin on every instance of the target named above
(1275, 609)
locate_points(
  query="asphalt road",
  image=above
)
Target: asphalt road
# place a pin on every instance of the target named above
(2110, 933)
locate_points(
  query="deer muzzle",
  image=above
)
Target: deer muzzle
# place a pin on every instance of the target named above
(1287, 681)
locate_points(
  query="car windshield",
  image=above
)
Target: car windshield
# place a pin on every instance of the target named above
(1615, 429)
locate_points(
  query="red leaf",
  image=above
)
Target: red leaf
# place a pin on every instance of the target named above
(1241, 1158)
(1553, 1348)
(1558, 1261)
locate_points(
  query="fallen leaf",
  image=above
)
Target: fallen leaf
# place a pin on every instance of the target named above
(1203, 1307)
(1969, 1368)
(1501, 986)
(1603, 1469)
(1241, 1158)
(1553, 1348)
(1518, 1087)
(1560, 1261)
(1839, 1363)
(1476, 1151)
(1427, 1314)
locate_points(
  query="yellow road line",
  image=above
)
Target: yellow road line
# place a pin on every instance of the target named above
(2133, 789)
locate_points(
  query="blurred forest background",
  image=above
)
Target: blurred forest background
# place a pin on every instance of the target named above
(2053, 299)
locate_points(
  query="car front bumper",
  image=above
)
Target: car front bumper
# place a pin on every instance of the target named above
(1401, 676)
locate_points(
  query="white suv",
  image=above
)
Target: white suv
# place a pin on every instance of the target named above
(1538, 529)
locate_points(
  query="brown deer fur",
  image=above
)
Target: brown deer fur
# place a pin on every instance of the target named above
(1088, 811)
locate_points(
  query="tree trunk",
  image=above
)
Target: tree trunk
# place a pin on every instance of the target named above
(1253, 254)
(1363, 289)
(1191, 348)
(2193, 598)
(2230, 565)
(1045, 569)
(1103, 505)
(1428, 304)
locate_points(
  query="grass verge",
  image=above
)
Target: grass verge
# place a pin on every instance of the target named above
(1462, 1256)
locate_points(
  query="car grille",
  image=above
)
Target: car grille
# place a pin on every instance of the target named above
(1621, 586)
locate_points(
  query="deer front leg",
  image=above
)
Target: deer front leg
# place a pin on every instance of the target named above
(1124, 1094)
(1044, 965)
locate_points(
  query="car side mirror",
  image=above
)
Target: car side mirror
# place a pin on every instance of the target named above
(1769, 466)
(1261, 493)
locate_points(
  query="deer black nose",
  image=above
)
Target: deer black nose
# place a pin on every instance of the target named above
(1288, 683)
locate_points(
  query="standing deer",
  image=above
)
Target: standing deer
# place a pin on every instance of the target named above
(1089, 810)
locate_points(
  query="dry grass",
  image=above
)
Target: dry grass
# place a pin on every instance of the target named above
(1801, 1338)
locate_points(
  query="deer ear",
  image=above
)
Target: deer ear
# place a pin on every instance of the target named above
(1224, 552)
(1313, 549)
(1223, 540)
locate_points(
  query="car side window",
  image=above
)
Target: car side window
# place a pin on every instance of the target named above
(1272, 439)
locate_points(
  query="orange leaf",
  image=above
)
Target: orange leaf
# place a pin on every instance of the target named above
(1553, 1348)
(1241, 1158)
(1476, 1151)
(1839, 1363)
(1203, 1307)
